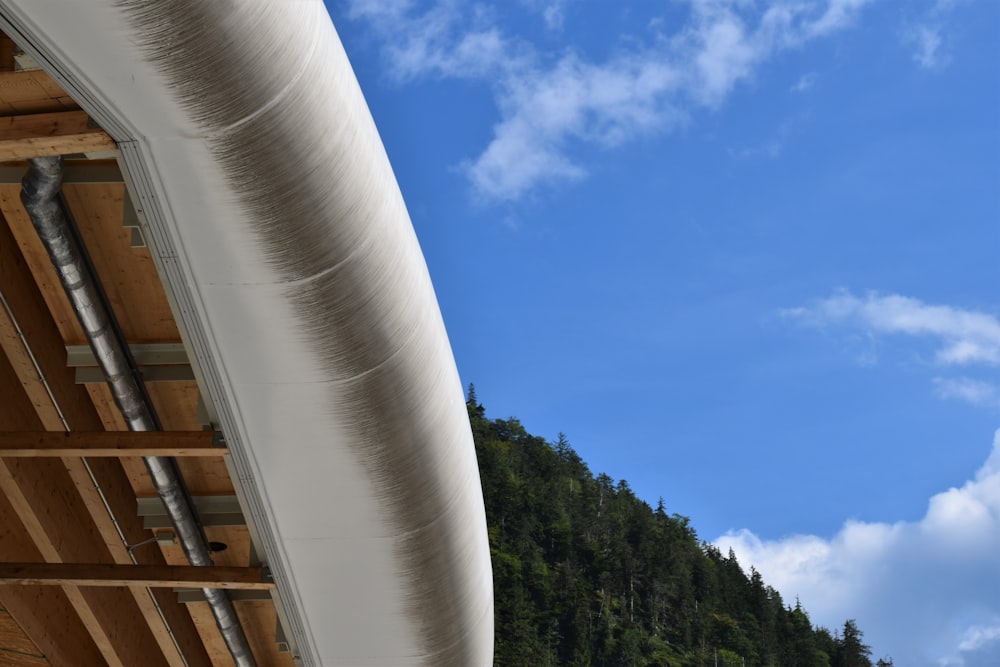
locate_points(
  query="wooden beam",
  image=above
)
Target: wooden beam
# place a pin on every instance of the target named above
(31, 91)
(151, 576)
(59, 133)
(49, 506)
(14, 644)
(82, 172)
(7, 50)
(38, 328)
(13, 658)
(45, 613)
(113, 444)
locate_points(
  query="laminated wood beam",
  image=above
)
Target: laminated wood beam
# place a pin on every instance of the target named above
(45, 613)
(16, 649)
(83, 172)
(36, 326)
(47, 503)
(152, 576)
(29, 91)
(59, 133)
(7, 50)
(41, 444)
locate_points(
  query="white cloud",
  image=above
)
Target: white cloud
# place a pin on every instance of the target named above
(574, 100)
(448, 40)
(549, 102)
(926, 592)
(963, 336)
(772, 147)
(553, 12)
(926, 42)
(727, 42)
(724, 54)
(927, 37)
(554, 15)
(979, 636)
(977, 392)
(838, 15)
(515, 161)
(805, 82)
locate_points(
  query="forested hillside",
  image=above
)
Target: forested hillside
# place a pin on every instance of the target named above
(585, 573)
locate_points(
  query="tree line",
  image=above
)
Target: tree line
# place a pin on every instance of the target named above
(585, 573)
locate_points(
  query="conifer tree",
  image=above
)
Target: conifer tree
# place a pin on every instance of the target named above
(587, 574)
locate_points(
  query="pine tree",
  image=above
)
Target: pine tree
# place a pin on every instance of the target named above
(475, 408)
(586, 574)
(851, 651)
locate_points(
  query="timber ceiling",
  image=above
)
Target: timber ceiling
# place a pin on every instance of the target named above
(91, 605)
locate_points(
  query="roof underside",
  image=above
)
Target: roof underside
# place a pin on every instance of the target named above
(50, 509)
(252, 243)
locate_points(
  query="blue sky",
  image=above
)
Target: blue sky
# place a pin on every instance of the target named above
(744, 254)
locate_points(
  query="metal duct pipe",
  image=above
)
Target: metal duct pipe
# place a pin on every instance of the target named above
(40, 195)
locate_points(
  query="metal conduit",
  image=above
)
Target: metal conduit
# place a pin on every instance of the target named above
(40, 195)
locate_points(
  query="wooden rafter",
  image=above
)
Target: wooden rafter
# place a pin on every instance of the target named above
(41, 444)
(37, 326)
(45, 613)
(59, 133)
(16, 648)
(151, 576)
(33, 91)
(93, 190)
(46, 500)
(74, 171)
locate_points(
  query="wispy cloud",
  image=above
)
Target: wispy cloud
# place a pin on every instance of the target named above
(979, 636)
(573, 101)
(553, 12)
(926, 41)
(927, 37)
(963, 336)
(925, 591)
(805, 82)
(960, 338)
(977, 392)
(772, 147)
(837, 15)
(448, 40)
(548, 102)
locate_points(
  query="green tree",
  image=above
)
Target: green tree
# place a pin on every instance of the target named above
(586, 574)
(475, 407)
(851, 650)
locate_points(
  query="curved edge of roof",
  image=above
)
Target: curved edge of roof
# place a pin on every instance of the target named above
(287, 250)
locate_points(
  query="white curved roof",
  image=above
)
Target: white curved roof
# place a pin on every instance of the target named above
(285, 242)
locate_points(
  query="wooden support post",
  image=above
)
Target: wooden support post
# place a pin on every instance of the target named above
(150, 576)
(114, 444)
(59, 133)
